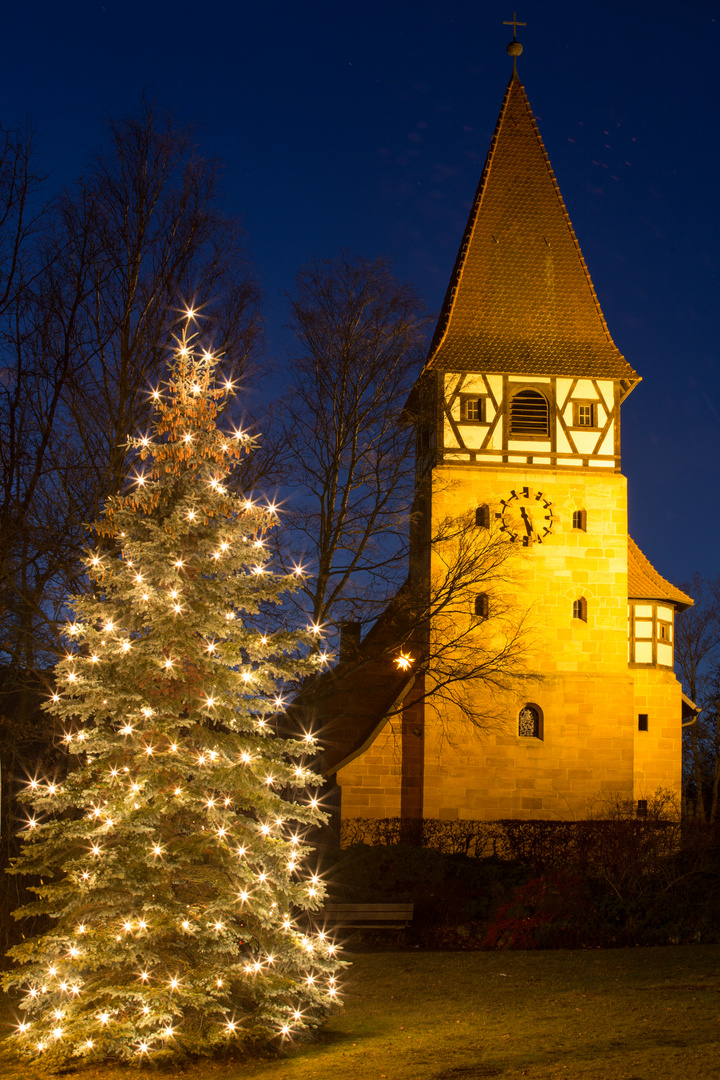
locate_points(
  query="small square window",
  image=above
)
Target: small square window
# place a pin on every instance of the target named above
(472, 408)
(585, 414)
(643, 721)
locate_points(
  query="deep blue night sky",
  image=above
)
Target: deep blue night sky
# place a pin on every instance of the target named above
(366, 127)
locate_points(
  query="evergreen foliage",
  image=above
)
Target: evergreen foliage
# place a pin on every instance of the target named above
(171, 852)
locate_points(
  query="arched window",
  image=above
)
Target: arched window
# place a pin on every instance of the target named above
(482, 517)
(529, 414)
(482, 606)
(580, 520)
(530, 722)
(580, 609)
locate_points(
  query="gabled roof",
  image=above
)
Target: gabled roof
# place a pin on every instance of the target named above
(521, 299)
(353, 700)
(644, 582)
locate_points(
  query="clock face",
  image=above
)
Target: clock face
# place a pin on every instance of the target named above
(526, 516)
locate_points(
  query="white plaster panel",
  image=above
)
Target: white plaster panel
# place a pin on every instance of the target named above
(600, 464)
(607, 390)
(496, 438)
(457, 457)
(586, 390)
(664, 613)
(474, 384)
(585, 441)
(542, 461)
(643, 652)
(607, 446)
(563, 388)
(664, 654)
(529, 378)
(539, 447)
(449, 435)
(495, 382)
(474, 436)
(643, 628)
(562, 443)
(570, 461)
(643, 611)
(451, 384)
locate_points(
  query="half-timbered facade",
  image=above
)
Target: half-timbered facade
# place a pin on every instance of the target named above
(518, 414)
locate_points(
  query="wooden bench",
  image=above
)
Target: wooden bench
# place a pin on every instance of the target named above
(370, 916)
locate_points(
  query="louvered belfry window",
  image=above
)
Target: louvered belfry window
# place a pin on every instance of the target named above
(529, 414)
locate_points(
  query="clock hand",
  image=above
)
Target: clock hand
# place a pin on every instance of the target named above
(526, 519)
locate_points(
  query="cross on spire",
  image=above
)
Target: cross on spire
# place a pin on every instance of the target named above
(514, 25)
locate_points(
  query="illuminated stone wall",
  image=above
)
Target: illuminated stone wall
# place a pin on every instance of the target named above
(370, 783)
(590, 751)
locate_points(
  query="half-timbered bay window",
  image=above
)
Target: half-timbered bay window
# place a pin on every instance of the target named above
(529, 414)
(651, 633)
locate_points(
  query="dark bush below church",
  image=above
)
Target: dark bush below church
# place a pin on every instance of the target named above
(630, 886)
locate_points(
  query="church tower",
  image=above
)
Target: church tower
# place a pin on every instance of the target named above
(519, 409)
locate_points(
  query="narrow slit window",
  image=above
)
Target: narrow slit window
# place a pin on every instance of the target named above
(580, 609)
(482, 606)
(529, 414)
(643, 721)
(580, 520)
(482, 517)
(642, 808)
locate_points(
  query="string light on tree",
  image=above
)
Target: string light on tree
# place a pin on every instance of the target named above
(172, 851)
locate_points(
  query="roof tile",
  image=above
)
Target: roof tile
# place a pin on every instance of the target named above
(644, 582)
(520, 299)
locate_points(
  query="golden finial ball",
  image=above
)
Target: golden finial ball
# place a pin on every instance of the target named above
(514, 48)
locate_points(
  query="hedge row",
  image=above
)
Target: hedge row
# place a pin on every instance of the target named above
(542, 845)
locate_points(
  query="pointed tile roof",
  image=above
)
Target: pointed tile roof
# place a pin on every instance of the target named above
(520, 298)
(644, 582)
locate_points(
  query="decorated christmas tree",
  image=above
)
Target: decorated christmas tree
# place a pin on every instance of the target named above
(171, 853)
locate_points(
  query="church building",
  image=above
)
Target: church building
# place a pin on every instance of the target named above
(519, 432)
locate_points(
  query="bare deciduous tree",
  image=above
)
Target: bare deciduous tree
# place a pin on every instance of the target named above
(362, 334)
(697, 655)
(430, 646)
(93, 287)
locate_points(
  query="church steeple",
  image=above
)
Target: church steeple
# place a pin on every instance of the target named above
(520, 298)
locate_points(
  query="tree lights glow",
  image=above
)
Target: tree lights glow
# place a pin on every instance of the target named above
(171, 854)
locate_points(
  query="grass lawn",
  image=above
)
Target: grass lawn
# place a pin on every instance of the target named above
(625, 1014)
